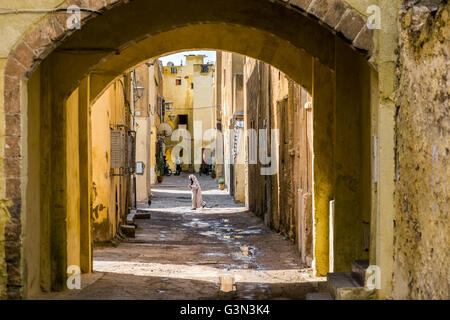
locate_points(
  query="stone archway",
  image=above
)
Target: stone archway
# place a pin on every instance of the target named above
(51, 41)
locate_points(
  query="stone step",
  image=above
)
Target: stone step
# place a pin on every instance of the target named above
(359, 268)
(142, 214)
(319, 296)
(343, 286)
(131, 218)
(128, 230)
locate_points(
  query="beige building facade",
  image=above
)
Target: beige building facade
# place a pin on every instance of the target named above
(230, 97)
(148, 102)
(189, 105)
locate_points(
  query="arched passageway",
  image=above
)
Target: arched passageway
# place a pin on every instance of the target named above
(324, 49)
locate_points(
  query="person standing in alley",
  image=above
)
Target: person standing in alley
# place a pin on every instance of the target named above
(178, 165)
(197, 201)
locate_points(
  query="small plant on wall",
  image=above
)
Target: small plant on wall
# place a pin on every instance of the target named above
(221, 183)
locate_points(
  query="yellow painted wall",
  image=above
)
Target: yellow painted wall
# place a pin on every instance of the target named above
(107, 112)
(32, 223)
(73, 182)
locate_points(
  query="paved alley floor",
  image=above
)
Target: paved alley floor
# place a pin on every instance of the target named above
(181, 254)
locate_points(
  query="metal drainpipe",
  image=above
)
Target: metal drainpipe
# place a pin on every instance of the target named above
(132, 109)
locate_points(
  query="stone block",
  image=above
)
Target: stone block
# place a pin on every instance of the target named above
(13, 188)
(14, 292)
(12, 167)
(227, 284)
(130, 218)
(359, 268)
(37, 39)
(12, 252)
(24, 54)
(14, 68)
(12, 146)
(140, 214)
(302, 4)
(13, 230)
(13, 124)
(12, 97)
(319, 296)
(318, 8)
(350, 24)
(14, 209)
(128, 230)
(336, 10)
(364, 40)
(14, 277)
(343, 286)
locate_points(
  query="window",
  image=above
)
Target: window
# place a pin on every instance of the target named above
(205, 68)
(173, 70)
(178, 82)
(182, 119)
(192, 85)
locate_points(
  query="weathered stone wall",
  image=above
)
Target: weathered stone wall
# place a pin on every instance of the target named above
(421, 222)
(274, 102)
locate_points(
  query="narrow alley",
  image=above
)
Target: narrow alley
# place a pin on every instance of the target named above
(181, 254)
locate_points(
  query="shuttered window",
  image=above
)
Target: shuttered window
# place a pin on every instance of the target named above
(117, 149)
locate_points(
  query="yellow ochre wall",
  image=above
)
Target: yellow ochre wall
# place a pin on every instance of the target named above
(73, 182)
(108, 111)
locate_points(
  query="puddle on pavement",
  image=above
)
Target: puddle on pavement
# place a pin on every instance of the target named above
(258, 231)
(214, 254)
(196, 224)
(251, 291)
(209, 233)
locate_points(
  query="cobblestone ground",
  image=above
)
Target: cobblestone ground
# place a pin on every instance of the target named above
(181, 254)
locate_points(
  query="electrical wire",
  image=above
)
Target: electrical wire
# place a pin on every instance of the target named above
(37, 11)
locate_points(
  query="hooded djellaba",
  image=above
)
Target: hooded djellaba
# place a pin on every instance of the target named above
(197, 201)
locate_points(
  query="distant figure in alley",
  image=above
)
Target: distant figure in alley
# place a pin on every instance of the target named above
(197, 201)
